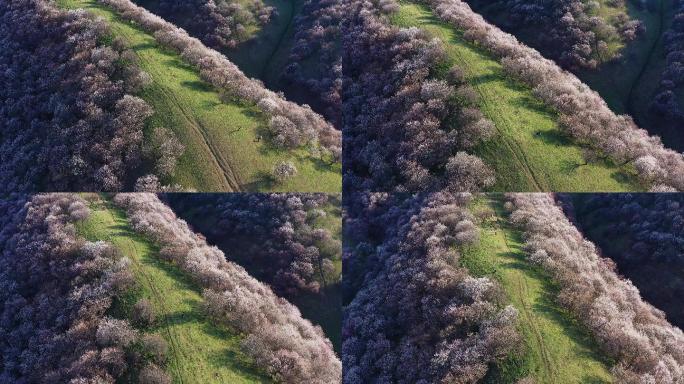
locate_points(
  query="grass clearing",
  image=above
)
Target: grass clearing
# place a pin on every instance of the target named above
(529, 152)
(199, 352)
(221, 153)
(557, 348)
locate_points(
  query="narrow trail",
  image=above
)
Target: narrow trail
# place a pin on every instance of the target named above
(229, 179)
(523, 295)
(512, 145)
(158, 297)
(629, 105)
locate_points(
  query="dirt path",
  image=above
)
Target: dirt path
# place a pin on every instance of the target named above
(128, 247)
(512, 145)
(523, 294)
(229, 178)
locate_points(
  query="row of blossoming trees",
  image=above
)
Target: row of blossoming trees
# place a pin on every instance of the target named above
(645, 347)
(291, 125)
(289, 348)
(644, 234)
(78, 125)
(57, 289)
(315, 37)
(415, 315)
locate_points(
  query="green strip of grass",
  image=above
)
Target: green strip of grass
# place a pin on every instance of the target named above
(199, 352)
(529, 152)
(557, 348)
(221, 153)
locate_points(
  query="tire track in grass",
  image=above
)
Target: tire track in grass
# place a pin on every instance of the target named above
(140, 270)
(557, 350)
(523, 294)
(229, 177)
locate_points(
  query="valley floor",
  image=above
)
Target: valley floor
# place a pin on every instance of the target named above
(221, 149)
(528, 151)
(556, 348)
(199, 352)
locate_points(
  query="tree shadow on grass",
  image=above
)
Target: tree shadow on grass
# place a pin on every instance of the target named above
(143, 46)
(262, 181)
(197, 85)
(176, 62)
(553, 137)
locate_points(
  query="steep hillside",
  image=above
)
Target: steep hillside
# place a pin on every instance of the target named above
(528, 151)
(199, 351)
(557, 349)
(290, 241)
(641, 233)
(224, 150)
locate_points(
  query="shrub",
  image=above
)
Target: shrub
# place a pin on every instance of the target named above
(284, 170)
(143, 314)
(152, 374)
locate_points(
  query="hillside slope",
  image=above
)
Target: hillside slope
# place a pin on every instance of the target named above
(556, 348)
(223, 152)
(529, 152)
(199, 352)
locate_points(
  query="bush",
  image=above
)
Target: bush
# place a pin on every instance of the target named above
(155, 348)
(143, 314)
(284, 170)
(152, 374)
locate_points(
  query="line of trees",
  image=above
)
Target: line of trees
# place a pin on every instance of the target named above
(55, 289)
(418, 317)
(69, 118)
(646, 348)
(583, 114)
(565, 30)
(277, 235)
(218, 23)
(644, 234)
(286, 346)
(291, 125)
(404, 130)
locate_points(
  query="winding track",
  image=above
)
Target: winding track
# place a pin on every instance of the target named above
(189, 343)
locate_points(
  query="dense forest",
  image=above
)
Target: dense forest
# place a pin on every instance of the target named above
(409, 120)
(429, 299)
(575, 35)
(404, 131)
(67, 311)
(416, 316)
(89, 124)
(76, 126)
(290, 241)
(642, 234)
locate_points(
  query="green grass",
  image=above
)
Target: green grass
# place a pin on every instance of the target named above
(557, 349)
(199, 352)
(221, 153)
(529, 152)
